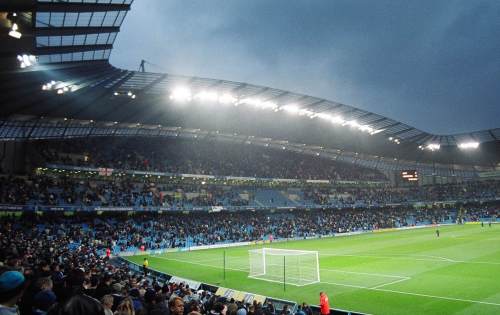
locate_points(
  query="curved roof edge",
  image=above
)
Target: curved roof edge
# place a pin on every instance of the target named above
(148, 83)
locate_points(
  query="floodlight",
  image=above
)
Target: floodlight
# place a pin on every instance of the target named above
(351, 123)
(340, 120)
(207, 96)
(14, 31)
(374, 132)
(324, 116)
(468, 145)
(433, 146)
(181, 94)
(227, 99)
(269, 105)
(306, 112)
(291, 108)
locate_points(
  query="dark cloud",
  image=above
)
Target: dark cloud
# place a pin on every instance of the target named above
(432, 64)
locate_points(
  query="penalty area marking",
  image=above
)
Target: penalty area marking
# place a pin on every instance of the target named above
(375, 288)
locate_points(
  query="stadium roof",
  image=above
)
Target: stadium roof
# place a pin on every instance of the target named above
(73, 78)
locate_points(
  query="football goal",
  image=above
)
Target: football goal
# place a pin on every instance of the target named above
(296, 267)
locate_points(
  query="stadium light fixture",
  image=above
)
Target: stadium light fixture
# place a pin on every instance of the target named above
(14, 31)
(468, 145)
(227, 98)
(181, 94)
(259, 103)
(306, 112)
(433, 146)
(205, 96)
(291, 108)
(324, 116)
(374, 132)
(26, 61)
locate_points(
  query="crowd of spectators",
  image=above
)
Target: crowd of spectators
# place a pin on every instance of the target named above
(199, 157)
(55, 263)
(472, 190)
(41, 274)
(67, 191)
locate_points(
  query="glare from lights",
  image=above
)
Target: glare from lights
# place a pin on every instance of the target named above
(133, 96)
(227, 99)
(181, 94)
(433, 146)
(129, 93)
(207, 96)
(14, 31)
(340, 120)
(468, 145)
(116, 94)
(324, 116)
(291, 108)
(26, 60)
(258, 103)
(60, 91)
(374, 132)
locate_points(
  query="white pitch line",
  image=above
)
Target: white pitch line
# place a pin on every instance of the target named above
(359, 286)
(409, 257)
(411, 293)
(365, 273)
(385, 284)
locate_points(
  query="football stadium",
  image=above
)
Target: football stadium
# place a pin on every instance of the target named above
(143, 191)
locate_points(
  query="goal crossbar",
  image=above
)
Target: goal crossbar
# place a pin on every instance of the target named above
(295, 267)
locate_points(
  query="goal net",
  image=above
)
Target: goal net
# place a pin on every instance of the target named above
(296, 267)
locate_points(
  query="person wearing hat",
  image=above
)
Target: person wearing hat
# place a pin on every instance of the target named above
(12, 285)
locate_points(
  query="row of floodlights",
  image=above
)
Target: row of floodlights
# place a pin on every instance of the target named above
(129, 94)
(59, 86)
(26, 61)
(184, 94)
(463, 146)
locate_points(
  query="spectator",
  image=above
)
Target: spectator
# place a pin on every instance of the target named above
(176, 306)
(107, 303)
(12, 285)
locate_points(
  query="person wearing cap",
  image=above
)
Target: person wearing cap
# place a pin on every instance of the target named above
(12, 285)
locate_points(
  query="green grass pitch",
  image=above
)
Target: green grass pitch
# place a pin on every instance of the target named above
(402, 272)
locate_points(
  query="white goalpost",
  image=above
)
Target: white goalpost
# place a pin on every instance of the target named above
(295, 267)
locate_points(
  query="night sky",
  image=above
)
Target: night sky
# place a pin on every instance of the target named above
(434, 65)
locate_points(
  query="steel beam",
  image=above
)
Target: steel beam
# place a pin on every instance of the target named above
(61, 31)
(80, 7)
(70, 49)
